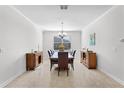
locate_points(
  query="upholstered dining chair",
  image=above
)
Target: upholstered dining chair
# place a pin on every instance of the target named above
(73, 54)
(52, 52)
(49, 53)
(71, 61)
(52, 61)
(63, 61)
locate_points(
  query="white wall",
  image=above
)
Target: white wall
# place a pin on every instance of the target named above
(48, 41)
(18, 35)
(109, 28)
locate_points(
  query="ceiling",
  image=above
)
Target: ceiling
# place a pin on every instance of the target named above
(49, 17)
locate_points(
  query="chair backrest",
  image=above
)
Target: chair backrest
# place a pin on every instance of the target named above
(71, 51)
(74, 53)
(49, 53)
(52, 52)
(63, 60)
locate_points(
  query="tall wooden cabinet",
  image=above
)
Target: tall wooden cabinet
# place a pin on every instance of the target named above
(88, 58)
(33, 60)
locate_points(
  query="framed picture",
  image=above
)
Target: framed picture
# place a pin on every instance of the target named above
(92, 40)
(66, 42)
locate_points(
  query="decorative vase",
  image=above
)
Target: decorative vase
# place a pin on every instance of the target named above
(61, 47)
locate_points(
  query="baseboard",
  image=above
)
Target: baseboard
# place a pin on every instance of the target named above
(113, 77)
(11, 79)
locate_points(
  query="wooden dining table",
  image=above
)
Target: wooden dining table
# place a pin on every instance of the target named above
(54, 59)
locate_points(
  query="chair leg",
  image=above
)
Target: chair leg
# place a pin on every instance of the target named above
(51, 66)
(58, 71)
(73, 66)
(67, 72)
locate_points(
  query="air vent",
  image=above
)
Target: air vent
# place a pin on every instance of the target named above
(63, 7)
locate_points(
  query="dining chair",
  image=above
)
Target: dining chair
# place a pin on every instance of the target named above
(71, 51)
(52, 52)
(52, 61)
(49, 53)
(71, 61)
(63, 61)
(73, 54)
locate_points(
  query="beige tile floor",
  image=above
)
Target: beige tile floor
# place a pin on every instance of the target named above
(81, 77)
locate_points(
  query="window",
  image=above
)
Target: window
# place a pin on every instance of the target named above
(66, 42)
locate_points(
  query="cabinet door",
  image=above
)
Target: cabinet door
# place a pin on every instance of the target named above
(39, 59)
(92, 60)
(30, 62)
(33, 61)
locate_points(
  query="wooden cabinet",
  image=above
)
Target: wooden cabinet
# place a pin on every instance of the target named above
(88, 58)
(33, 60)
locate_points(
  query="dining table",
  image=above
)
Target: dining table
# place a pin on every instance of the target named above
(55, 55)
(54, 59)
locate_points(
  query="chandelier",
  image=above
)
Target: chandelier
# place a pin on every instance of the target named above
(62, 34)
